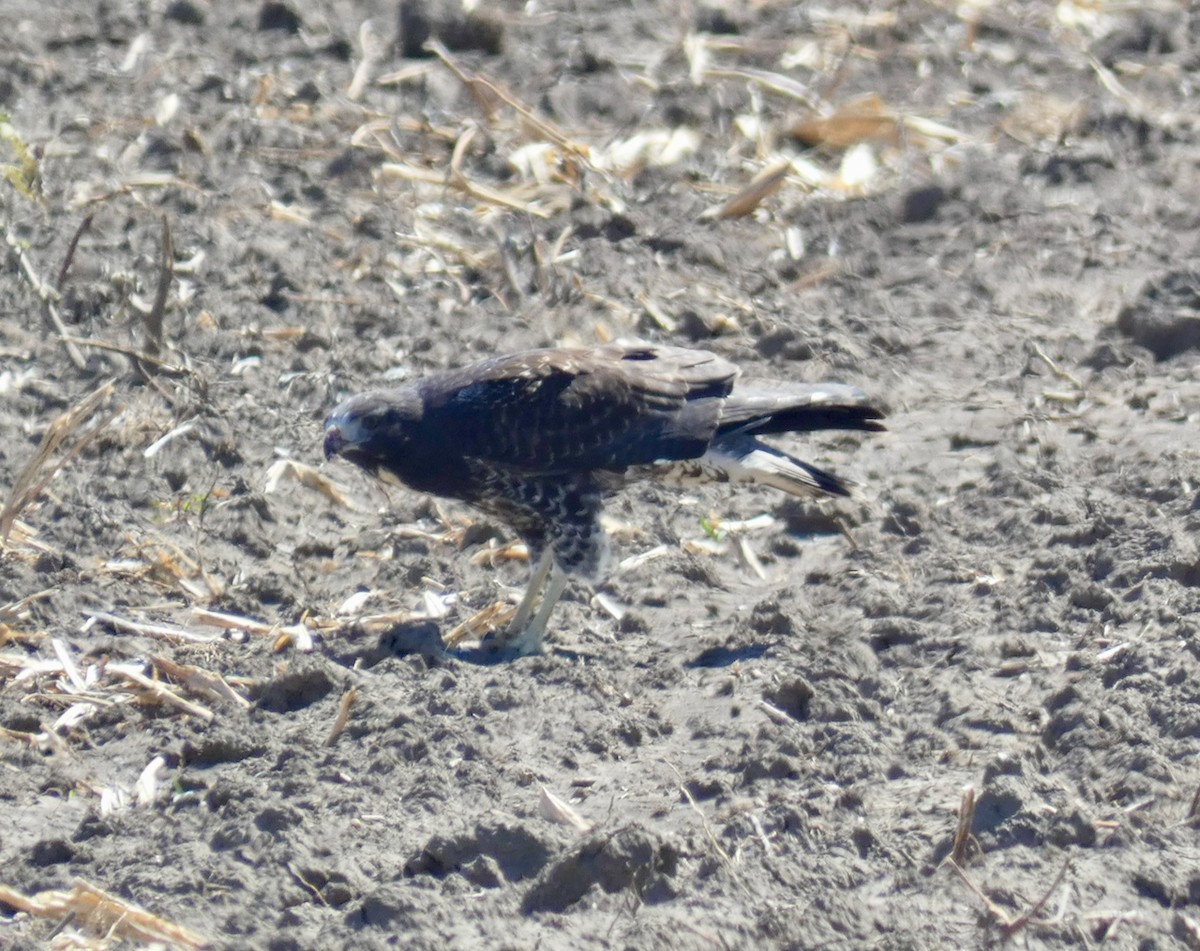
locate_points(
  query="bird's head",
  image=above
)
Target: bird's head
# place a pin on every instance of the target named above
(373, 430)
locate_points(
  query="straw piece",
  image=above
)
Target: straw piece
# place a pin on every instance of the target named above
(162, 693)
(758, 190)
(103, 914)
(36, 474)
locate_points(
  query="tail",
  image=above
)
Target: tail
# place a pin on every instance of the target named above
(797, 408)
(742, 458)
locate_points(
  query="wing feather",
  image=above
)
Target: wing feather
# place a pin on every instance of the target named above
(570, 410)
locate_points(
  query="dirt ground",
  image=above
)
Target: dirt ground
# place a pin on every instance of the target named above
(989, 219)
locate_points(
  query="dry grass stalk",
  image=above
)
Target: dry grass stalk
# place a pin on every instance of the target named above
(298, 634)
(749, 557)
(413, 173)
(17, 611)
(655, 311)
(167, 438)
(154, 317)
(38, 472)
(377, 131)
(993, 909)
(103, 914)
(773, 82)
(343, 716)
(138, 356)
(1030, 916)
(634, 562)
(1137, 109)
(1033, 350)
(95, 690)
(165, 563)
(406, 73)
(782, 717)
(200, 681)
(27, 668)
(78, 682)
(491, 618)
(233, 622)
(372, 623)
(1009, 925)
(482, 88)
(170, 633)
(963, 839)
(69, 257)
(160, 693)
(48, 296)
(444, 243)
(708, 831)
(23, 538)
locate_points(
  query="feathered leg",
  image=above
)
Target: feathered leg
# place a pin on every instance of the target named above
(561, 524)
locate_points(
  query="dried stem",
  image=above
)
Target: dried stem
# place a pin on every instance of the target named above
(36, 475)
(154, 319)
(343, 716)
(962, 834)
(48, 296)
(69, 257)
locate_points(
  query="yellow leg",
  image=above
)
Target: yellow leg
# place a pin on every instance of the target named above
(529, 640)
(537, 581)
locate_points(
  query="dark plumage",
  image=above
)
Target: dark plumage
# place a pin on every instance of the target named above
(537, 438)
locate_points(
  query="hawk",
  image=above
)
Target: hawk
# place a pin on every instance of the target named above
(537, 439)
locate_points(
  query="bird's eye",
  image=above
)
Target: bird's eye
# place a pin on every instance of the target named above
(372, 420)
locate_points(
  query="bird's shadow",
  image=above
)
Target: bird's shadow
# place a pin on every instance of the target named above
(727, 656)
(425, 638)
(489, 655)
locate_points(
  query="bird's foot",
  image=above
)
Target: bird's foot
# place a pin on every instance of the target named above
(526, 643)
(506, 645)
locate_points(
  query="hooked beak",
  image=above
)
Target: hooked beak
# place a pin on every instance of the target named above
(333, 441)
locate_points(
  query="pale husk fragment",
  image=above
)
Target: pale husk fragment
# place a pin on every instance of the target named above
(103, 915)
(557, 810)
(343, 716)
(308, 476)
(758, 190)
